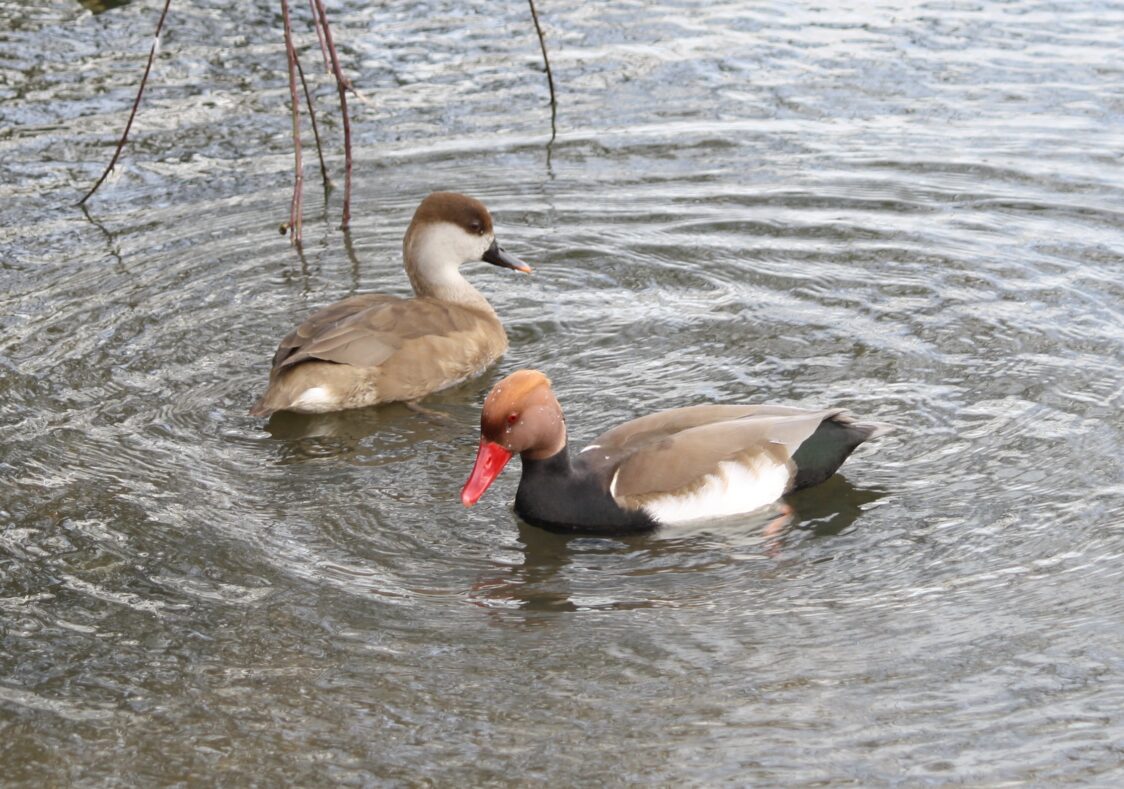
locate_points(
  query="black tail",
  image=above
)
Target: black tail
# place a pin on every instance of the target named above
(825, 450)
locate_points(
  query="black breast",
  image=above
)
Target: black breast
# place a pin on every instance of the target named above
(559, 497)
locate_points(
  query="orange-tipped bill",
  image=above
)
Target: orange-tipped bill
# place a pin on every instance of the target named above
(498, 256)
(490, 460)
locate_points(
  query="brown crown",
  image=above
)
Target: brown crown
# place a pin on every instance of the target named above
(467, 212)
(509, 396)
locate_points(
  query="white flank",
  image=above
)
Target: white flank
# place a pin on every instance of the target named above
(731, 489)
(314, 400)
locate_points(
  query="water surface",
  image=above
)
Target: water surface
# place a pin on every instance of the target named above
(910, 210)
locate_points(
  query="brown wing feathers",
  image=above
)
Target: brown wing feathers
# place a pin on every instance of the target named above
(365, 331)
(678, 460)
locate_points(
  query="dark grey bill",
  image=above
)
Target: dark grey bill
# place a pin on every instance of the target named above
(498, 257)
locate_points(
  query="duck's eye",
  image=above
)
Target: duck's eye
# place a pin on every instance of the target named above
(476, 226)
(512, 418)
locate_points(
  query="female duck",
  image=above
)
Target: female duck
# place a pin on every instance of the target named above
(703, 461)
(375, 348)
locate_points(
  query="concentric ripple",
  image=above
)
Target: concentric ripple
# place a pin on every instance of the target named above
(911, 211)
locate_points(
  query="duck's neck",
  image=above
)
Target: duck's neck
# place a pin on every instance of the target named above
(434, 271)
(556, 496)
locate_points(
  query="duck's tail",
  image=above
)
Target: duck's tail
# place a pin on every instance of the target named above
(261, 407)
(824, 451)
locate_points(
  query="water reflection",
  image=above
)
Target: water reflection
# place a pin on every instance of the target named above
(553, 567)
(350, 425)
(832, 507)
(98, 6)
(111, 242)
(393, 426)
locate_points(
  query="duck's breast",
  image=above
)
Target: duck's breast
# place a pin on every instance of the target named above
(459, 346)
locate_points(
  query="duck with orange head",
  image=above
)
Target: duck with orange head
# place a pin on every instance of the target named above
(685, 464)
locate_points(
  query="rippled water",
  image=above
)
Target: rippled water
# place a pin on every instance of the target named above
(912, 210)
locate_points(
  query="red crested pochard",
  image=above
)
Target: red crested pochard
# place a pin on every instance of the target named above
(703, 461)
(375, 348)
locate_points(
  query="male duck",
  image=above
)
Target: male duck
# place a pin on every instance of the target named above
(702, 461)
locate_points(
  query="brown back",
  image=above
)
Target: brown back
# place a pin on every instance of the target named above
(670, 450)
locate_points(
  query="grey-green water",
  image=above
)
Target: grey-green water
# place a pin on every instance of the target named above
(912, 210)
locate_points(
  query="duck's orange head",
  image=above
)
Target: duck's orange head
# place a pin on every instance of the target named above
(520, 416)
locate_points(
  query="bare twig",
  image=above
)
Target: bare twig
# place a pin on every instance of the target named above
(549, 75)
(295, 204)
(136, 103)
(321, 24)
(342, 85)
(320, 35)
(315, 128)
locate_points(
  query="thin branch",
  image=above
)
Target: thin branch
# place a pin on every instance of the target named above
(320, 35)
(110, 240)
(342, 85)
(136, 102)
(295, 205)
(315, 129)
(549, 75)
(320, 24)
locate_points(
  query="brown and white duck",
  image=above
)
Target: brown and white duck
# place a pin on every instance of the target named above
(703, 461)
(376, 348)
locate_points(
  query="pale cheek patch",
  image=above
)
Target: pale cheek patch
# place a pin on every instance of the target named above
(734, 487)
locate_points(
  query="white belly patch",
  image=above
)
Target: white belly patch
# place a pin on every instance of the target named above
(734, 487)
(314, 400)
